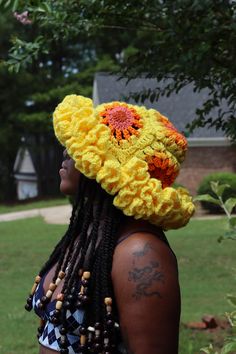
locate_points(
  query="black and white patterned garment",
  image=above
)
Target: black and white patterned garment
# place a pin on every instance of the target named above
(51, 334)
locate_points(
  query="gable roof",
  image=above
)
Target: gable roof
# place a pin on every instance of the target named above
(24, 163)
(180, 108)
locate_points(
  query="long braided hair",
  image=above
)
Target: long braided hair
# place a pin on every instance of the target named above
(83, 257)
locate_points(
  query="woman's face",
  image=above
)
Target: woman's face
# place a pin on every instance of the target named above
(69, 176)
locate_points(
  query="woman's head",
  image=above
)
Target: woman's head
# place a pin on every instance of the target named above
(132, 152)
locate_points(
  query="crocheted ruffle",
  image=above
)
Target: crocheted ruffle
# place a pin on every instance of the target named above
(134, 154)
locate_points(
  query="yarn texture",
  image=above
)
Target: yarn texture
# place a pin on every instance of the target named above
(134, 153)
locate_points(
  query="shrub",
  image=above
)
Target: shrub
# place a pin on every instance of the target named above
(223, 178)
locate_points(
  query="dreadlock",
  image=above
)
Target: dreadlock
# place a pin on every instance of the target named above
(83, 258)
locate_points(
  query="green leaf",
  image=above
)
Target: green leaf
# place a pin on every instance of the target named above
(218, 189)
(230, 204)
(15, 5)
(229, 348)
(231, 234)
(231, 299)
(231, 317)
(7, 3)
(207, 198)
(214, 186)
(41, 9)
(208, 350)
(45, 6)
(232, 222)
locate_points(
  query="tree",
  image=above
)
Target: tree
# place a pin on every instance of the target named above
(28, 98)
(178, 42)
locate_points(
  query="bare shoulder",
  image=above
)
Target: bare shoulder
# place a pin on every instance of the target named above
(143, 247)
(145, 280)
(146, 261)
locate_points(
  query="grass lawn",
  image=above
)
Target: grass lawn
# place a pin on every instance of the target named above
(205, 275)
(206, 268)
(7, 208)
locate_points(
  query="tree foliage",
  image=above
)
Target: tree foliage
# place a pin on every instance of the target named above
(28, 96)
(183, 41)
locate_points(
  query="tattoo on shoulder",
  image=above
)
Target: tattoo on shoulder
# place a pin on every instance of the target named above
(147, 247)
(146, 276)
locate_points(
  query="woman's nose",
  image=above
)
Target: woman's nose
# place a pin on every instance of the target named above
(65, 155)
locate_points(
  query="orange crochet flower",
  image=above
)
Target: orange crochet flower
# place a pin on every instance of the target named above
(161, 167)
(180, 139)
(123, 120)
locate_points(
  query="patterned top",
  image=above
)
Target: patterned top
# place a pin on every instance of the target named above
(50, 336)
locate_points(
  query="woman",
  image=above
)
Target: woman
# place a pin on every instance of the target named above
(111, 283)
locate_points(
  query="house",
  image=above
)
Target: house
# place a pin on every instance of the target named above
(25, 175)
(209, 150)
(36, 166)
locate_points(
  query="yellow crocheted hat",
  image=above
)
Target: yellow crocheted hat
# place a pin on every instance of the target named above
(133, 152)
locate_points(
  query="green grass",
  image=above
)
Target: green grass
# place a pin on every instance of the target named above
(7, 208)
(24, 245)
(205, 275)
(205, 268)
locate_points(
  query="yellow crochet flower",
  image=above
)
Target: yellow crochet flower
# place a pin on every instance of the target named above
(134, 153)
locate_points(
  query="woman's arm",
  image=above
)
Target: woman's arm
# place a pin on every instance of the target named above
(145, 280)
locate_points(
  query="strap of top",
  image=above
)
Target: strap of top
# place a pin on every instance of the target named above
(152, 229)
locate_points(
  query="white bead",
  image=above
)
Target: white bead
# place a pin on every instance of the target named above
(108, 308)
(49, 293)
(91, 329)
(57, 281)
(58, 305)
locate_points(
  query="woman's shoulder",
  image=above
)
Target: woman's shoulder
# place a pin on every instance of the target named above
(144, 260)
(143, 248)
(143, 240)
(146, 287)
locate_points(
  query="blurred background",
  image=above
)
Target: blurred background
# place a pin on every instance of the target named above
(178, 57)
